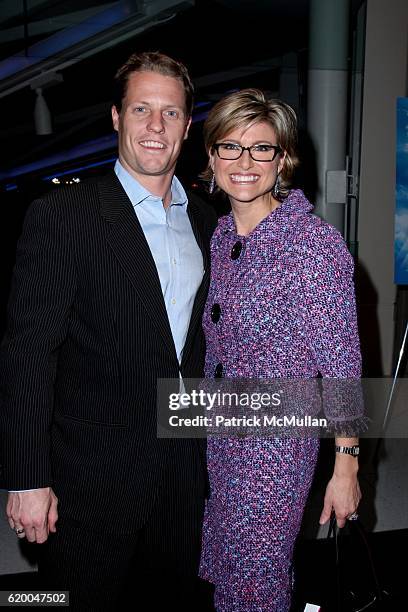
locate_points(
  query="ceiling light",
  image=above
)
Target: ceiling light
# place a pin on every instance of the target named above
(42, 115)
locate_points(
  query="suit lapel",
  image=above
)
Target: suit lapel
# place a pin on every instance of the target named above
(203, 243)
(127, 241)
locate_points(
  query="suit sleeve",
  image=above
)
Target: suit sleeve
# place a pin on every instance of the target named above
(42, 294)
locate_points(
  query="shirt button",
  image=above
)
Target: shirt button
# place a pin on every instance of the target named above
(173, 261)
(218, 371)
(173, 301)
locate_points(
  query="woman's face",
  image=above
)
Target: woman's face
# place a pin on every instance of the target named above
(244, 179)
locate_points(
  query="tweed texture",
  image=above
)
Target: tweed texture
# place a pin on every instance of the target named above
(287, 310)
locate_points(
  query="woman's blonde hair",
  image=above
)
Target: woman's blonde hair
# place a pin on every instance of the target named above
(247, 107)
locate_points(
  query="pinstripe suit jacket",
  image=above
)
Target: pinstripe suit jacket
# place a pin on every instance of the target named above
(87, 339)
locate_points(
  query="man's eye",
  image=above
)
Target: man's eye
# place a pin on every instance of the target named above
(139, 109)
(262, 148)
(229, 146)
(171, 113)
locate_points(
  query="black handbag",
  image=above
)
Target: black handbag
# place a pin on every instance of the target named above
(357, 585)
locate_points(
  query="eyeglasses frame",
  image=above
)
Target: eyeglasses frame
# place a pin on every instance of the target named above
(277, 150)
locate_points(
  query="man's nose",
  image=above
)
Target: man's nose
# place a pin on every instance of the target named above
(155, 122)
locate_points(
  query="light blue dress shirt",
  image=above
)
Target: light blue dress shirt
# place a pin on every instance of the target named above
(175, 251)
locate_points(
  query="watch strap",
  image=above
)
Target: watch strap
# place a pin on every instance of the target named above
(348, 450)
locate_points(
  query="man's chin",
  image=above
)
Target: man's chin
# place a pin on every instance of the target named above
(156, 169)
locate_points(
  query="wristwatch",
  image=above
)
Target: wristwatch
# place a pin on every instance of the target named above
(348, 450)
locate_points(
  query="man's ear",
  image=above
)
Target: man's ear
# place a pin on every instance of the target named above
(187, 128)
(115, 118)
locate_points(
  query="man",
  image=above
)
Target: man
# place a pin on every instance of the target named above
(110, 281)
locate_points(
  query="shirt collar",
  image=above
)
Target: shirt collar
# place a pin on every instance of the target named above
(137, 193)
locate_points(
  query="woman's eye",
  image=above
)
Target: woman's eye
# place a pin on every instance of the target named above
(262, 148)
(229, 146)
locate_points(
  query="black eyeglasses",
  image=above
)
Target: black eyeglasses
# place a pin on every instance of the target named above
(258, 152)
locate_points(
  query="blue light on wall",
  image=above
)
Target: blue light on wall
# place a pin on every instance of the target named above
(78, 169)
(67, 38)
(87, 148)
(401, 195)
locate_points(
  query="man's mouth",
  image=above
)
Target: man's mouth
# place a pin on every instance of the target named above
(152, 144)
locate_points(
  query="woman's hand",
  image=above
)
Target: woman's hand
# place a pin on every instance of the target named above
(343, 491)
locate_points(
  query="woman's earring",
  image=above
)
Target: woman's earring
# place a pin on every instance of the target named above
(276, 187)
(211, 186)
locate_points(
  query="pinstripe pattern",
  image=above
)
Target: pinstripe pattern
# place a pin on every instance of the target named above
(88, 337)
(95, 565)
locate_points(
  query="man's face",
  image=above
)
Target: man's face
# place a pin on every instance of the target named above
(151, 125)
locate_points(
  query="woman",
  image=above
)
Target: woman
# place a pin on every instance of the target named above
(281, 304)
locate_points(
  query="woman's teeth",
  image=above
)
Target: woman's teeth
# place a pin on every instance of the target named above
(247, 178)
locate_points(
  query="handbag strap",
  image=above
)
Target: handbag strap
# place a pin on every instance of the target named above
(334, 531)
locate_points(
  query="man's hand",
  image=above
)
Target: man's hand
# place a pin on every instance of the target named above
(34, 512)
